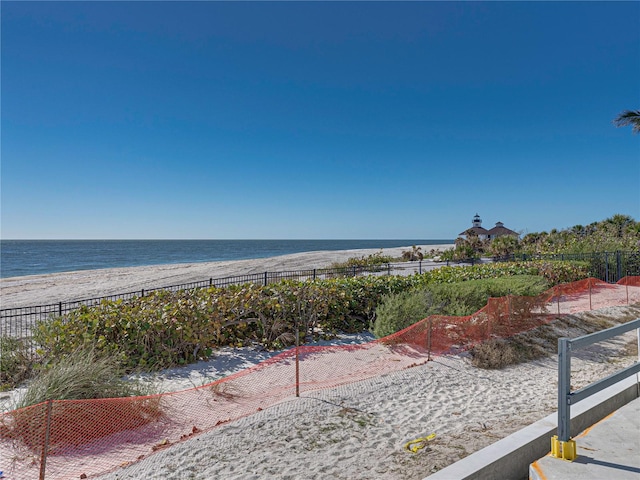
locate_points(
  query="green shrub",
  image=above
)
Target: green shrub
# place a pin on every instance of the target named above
(157, 331)
(465, 298)
(16, 362)
(554, 271)
(166, 329)
(461, 253)
(362, 296)
(412, 255)
(400, 310)
(366, 261)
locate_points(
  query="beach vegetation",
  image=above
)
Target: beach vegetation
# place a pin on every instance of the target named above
(464, 251)
(466, 298)
(503, 247)
(413, 255)
(373, 260)
(81, 375)
(616, 233)
(165, 328)
(226, 389)
(400, 310)
(495, 354)
(16, 362)
(397, 311)
(555, 272)
(542, 341)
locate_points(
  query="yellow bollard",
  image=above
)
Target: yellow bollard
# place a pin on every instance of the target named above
(556, 450)
(569, 450)
(563, 450)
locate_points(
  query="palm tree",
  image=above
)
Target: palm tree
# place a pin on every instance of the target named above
(618, 224)
(629, 117)
(503, 246)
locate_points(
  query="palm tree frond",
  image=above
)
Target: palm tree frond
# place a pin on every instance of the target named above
(629, 117)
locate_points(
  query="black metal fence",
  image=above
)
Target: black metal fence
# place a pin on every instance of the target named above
(607, 266)
(20, 321)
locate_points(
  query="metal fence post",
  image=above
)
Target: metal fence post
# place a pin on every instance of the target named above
(509, 311)
(626, 285)
(429, 341)
(564, 389)
(297, 359)
(606, 267)
(45, 445)
(60, 309)
(638, 374)
(265, 279)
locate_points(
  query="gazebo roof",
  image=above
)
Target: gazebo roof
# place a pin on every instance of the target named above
(475, 231)
(500, 230)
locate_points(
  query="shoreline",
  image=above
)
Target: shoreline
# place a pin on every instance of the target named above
(46, 289)
(40, 257)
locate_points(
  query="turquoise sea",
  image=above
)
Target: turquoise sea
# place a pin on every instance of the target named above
(33, 257)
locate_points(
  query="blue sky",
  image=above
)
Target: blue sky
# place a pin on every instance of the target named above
(315, 119)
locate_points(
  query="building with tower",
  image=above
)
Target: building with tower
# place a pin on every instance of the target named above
(483, 234)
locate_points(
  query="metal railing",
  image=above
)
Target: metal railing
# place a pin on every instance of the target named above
(561, 445)
(607, 266)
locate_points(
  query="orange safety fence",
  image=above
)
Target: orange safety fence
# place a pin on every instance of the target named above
(87, 438)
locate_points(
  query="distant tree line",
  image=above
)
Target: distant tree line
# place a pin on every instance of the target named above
(617, 233)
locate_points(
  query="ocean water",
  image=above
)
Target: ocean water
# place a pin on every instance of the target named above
(33, 257)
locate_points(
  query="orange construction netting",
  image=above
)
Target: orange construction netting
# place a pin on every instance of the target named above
(86, 438)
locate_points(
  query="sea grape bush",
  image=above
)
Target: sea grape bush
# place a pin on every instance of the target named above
(166, 328)
(554, 272)
(159, 330)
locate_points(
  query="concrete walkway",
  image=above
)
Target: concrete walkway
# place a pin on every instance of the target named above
(608, 450)
(606, 427)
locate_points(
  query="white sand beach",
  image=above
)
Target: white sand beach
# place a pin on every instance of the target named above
(359, 430)
(356, 430)
(69, 286)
